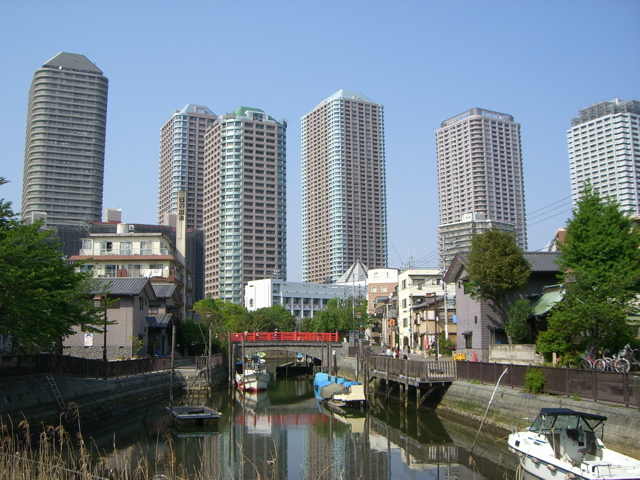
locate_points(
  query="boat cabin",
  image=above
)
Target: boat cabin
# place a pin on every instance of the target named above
(569, 432)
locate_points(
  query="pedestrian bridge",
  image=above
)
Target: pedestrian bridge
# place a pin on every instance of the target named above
(288, 344)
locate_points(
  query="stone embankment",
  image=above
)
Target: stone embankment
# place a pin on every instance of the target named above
(34, 398)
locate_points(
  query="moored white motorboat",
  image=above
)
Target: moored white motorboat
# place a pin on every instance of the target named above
(562, 444)
(251, 375)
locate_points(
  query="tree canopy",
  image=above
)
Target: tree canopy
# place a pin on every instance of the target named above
(42, 296)
(496, 269)
(601, 274)
(341, 315)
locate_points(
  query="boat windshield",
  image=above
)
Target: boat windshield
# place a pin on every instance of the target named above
(546, 423)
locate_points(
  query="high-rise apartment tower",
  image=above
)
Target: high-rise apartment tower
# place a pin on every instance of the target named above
(65, 141)
(245, 202)
(344, 196)
(182, 162)
(604, 150)
(480, 183)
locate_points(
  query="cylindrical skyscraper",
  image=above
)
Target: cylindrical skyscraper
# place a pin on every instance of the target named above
(65, 142)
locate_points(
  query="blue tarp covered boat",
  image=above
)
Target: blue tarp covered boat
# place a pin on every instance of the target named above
(337, 390)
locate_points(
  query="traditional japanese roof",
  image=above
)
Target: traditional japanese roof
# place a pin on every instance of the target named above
(123, 286)
(543, 261)
(539, 262)
(164, 290)
(159, 321)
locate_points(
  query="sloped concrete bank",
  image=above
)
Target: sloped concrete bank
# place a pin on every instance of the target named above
(512, 408)
(97, 400)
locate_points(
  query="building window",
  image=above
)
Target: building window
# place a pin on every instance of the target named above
(383, 289)
(141, 303)
(468, 341)
(374, 289)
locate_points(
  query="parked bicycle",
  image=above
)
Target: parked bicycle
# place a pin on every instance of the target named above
(587, 362)
(613, 363)
(629, 354)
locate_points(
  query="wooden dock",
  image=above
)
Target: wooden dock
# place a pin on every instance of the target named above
(420, 376)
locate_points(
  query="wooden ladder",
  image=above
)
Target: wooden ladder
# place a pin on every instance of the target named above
(56, 393)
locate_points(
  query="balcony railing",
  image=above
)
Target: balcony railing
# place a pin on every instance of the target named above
(89, 252)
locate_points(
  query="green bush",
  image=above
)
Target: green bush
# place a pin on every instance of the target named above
(534, 380)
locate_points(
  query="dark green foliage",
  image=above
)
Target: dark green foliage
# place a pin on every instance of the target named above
(341, 315)
(270, 318)
(223, 317)
(518, 326)
(601, 258)
(42, 296)
(446, 346)
(496, 269)
(534, 380)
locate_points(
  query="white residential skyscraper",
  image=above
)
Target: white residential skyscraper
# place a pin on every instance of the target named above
(344, 196)
(480, 183)
(64, 147)
(245, 202)
(604, 150)
(182, 162)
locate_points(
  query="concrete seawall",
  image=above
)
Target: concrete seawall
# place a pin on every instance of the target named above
(512, 408)
(97, 400)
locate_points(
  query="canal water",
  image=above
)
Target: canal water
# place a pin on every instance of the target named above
(284, 433)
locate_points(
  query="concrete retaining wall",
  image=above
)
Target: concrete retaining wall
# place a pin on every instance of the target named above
(511, 408)
(97, 400)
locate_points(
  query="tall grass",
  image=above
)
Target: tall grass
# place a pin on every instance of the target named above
(60, 453)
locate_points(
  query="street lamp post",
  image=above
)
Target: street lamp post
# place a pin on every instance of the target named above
(100, 301)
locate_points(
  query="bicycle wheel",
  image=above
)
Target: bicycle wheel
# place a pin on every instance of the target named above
(601, 365)
(586, 364)
(621, 365)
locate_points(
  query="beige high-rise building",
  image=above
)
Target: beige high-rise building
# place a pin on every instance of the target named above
(344, 196)
(244, 202)
(182, 163)
(64, 148)
(480, 180)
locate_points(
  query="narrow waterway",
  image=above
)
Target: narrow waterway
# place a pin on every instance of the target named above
(284, 433)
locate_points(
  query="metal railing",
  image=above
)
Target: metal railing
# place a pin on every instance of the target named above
(23, 365)
(284, 337)
(613, 387)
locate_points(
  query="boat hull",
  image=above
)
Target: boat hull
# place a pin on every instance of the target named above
(541, 465)
(252, 381)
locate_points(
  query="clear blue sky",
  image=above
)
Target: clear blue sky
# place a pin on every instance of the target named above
(540, 61)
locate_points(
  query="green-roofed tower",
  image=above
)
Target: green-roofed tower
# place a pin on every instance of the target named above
(245, 202)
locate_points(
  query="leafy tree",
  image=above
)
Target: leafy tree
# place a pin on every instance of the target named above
(496, 270)
(269, 318)
(195, 337)
(518, 326)
(601, 264)
(209, 311)
(42, 296)
(340, 315)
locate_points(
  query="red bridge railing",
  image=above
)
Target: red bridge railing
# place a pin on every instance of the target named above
(284, 337)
